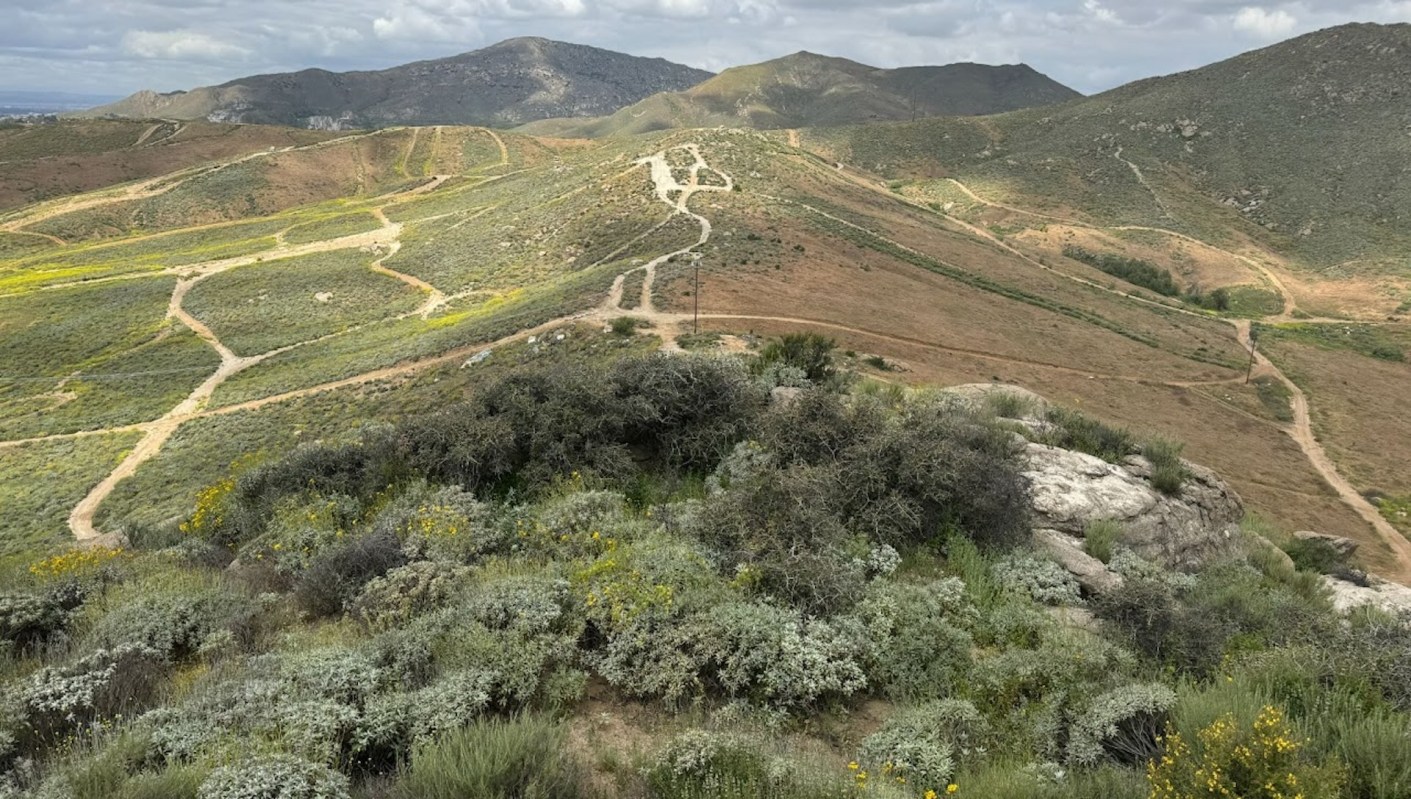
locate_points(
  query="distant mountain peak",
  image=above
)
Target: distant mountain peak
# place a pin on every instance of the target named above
(508, 83)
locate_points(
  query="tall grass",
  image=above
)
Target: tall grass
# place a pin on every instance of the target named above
(1168, 473)
(1100, 536)
(520, 758)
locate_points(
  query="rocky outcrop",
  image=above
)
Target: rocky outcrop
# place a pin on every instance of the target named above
(1344, 547)
(1378, 593)
(1072, 490)
(1091, 573)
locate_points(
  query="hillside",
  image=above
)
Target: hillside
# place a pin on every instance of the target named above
(1302, 146)
(444, 461)
(246, 299)
(805, 89)
(507, 84)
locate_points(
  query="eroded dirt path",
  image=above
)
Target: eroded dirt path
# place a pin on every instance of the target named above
(1301, 430)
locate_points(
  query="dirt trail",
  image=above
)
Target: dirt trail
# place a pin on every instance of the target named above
(1301, 431)
(158, 431)
(1136, 170)
(147, 134)
(434, 297)
(1289, 303)
(666, 185)
(500, 143)
(794, 138)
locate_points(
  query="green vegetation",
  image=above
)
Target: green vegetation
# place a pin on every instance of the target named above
(258, 308)
(1275, 397)
(1253, 302)
(1167, 470)
(332, 227)
(41, 482)
(54, 333)
(1133, 270)
(495, 760)
(1370, 340)
(418, 609)
(1100, 538)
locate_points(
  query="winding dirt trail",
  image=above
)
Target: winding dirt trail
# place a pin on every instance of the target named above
(157, 432)
(1301, 430)
(677, 195)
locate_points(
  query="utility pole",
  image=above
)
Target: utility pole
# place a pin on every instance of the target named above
(696, 295)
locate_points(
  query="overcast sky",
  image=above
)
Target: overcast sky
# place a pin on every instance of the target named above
(120, 46)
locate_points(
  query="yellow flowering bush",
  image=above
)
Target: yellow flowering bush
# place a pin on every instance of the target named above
(210, 511)
(75, 562)
(1264, 761)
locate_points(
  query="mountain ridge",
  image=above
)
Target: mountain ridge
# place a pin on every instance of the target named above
(506, 84)
(806, 89)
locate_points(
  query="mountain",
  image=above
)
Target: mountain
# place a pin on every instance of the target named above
(1305, 145)
(805, 89)
(507, 84)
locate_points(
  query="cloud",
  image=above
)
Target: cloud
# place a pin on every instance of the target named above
(180, 45)
(1264, 23)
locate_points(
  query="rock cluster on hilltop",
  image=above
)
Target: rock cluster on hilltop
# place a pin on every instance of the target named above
(1074, 490)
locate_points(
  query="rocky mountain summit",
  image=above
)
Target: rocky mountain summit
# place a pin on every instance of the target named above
(507, 84)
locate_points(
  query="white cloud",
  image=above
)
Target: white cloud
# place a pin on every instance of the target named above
(180, 45)
(1264, 23)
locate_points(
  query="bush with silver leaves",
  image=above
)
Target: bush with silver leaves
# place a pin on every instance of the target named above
(274, 777)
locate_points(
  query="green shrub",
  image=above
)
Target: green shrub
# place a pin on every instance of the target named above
(493, 759)
(1168, 472)
(274, 777)
(1100, 536)
(334, 577)
(917, 648)
(55, 701)
(405, 592)
(920, 745)
(1037, 577)
(810, 353)
(1124, 723)
(1076, 431)
(1133, 270)
(700, 764)
(1315, 555)
(1148, 616)
(625, 325)
(1261, 760)
(30, 619)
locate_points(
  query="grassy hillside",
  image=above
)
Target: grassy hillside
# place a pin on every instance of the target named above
(339, 273)
(414, 506)
(805, 89)
(1299, 146)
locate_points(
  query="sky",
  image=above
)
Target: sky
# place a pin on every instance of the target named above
(119, 46)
